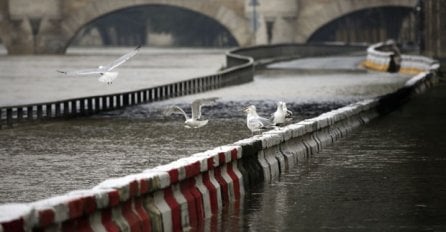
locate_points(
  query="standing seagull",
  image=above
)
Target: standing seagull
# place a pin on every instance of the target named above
(105, 71)
(254, 122)
(282, 114)
(194, 121)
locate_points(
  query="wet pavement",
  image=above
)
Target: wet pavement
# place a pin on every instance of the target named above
(389, 175)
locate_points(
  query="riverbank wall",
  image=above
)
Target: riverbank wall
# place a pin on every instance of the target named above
(183, 194)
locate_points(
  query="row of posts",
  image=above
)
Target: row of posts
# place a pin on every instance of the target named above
(239, 70)
(90, 105)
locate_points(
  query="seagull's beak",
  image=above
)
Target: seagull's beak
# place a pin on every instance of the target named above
(245, 110)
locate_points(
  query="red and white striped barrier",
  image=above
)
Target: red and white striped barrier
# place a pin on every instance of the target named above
(188, 194)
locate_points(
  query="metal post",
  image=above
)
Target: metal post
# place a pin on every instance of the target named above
(419, 11)
(19, 114)
(97, 104)
(39, 111)
(254, 4)
(66, 108)
(9, 117)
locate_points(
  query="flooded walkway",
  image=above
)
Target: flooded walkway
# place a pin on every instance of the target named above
(55, 157)
(389, 175)
(30, 79)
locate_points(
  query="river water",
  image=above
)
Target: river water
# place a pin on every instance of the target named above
(389, 175)
(330, 191)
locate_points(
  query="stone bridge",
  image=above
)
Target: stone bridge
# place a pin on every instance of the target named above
(49, 26)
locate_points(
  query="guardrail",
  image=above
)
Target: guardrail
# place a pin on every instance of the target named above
(264, 54)
(184, 194)
(240, 69)
(385, 57)
(244, 72)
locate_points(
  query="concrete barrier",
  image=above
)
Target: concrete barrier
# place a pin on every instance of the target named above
(184, 194)
(412, 64)
(240, 69)
(76, 107)
(380, 56)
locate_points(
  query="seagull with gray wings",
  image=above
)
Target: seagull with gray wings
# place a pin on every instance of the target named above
(256, 123)
(104, 71)
(193, 121)
(282, 114)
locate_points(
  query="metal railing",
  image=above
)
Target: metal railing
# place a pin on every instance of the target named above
(240, 69)
(84, 106)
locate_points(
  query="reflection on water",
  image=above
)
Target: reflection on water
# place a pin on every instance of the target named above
(389, 175)
(55, 157)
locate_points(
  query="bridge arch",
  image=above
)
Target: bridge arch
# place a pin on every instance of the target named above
(307, 24)
(228, 18)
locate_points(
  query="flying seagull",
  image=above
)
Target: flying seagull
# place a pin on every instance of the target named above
(282, 114)
(104, 71)
(194, 121)
(256, 123)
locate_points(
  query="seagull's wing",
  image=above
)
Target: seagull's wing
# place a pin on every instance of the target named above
(265, 122)
(81, 72)
(196, 106)
(259, 123)
(254, 123)
(120, 60)
(175, 110)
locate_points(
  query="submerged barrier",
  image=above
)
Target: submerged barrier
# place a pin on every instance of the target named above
(239, 69)
(187, 193)
(385, 57)
(84, 106)
(184, 194)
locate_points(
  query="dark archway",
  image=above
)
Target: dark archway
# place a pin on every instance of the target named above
(155, 25)
(370, 26)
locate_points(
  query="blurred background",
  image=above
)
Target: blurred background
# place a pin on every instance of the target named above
(51, 26)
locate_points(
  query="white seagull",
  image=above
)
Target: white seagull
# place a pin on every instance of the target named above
(282, 114)
(254, 122)
(194, 121)
(104, 71)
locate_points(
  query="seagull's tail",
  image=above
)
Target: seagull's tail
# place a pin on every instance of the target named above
(64, 72)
